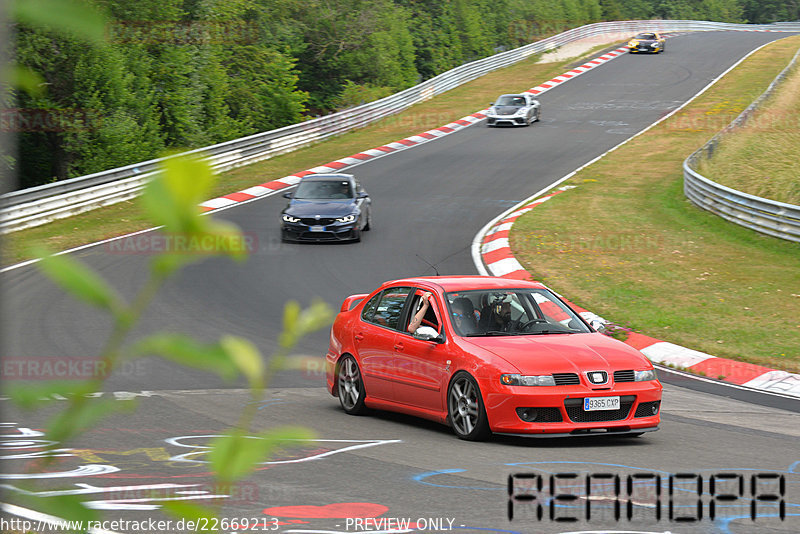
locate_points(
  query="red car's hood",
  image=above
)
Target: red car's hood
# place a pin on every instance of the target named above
(561, 353)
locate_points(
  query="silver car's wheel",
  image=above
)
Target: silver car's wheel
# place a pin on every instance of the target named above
(350, 386)
(465, 409)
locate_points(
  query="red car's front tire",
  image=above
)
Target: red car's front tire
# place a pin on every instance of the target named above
(465, 409)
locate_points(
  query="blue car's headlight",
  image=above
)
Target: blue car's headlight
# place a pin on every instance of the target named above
(520, 380)
(346, 219)
(290, 219)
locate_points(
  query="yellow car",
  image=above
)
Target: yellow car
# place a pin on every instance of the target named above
(646, 42)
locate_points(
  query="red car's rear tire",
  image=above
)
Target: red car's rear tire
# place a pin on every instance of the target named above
(350, 386)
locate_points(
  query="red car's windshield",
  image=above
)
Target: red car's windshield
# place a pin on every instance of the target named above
(511, 312)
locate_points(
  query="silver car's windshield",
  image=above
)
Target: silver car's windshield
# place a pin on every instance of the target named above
(324, 189)
(511, 312)
(509, 100)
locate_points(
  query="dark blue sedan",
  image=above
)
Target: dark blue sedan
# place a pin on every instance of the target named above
(326, 207)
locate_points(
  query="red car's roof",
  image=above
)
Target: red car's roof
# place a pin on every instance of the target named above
(462, 283)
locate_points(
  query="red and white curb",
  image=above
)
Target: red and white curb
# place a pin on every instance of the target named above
(342, 164)
(499, 261)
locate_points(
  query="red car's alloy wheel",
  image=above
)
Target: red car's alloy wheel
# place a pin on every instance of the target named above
(351, 387)
(465, 409)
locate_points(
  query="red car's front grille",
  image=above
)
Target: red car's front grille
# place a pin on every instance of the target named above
(577, 414)
(566, 379)
(624, 376)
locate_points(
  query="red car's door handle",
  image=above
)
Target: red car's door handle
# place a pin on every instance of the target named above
(359, 337)
(398, 346)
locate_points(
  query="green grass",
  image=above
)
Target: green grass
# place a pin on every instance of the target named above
(630, 247)
(126, 217)
(761, 157)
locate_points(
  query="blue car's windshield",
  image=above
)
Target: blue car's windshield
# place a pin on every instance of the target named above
(324, 189)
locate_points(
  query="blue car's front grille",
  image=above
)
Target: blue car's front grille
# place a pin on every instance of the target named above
(323, 221)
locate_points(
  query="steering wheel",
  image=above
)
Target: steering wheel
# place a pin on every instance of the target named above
(524, 326)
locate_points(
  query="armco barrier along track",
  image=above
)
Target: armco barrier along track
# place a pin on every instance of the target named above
(770, 217)
(38, 205)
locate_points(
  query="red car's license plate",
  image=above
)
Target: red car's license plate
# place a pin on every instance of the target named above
(591, 404)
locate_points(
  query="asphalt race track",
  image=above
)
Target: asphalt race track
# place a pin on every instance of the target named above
(428, 202)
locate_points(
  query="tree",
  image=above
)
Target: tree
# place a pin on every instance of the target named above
(767, 11)
(98, 115)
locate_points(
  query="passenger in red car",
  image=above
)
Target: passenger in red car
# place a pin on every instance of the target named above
(464, 316)
(417, 320)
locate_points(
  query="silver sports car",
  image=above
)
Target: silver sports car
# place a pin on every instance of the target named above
(519, 109)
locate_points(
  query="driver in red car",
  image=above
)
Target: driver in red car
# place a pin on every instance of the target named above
(497, 317)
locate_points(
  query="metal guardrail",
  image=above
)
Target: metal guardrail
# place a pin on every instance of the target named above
(42, 204)
(770, 217)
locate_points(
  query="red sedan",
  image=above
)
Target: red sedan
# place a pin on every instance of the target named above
(484, 355)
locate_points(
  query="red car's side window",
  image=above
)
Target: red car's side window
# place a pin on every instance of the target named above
(369, 308)
(431, 317)
(386, 308)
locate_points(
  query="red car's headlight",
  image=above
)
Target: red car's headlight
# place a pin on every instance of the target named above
(521, 380)
(644, 376)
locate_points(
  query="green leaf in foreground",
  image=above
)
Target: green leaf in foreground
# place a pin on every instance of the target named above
(186, 351)
(167, 263)
(171, 198)
(298, 322)
(69, 17)
(247, 359)
(228, 239)
(25, 78)
(80, 281)
(29, 396)
(189, 511)
(216, 238)
(237, 454)
(83, 415)
(61, 508)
